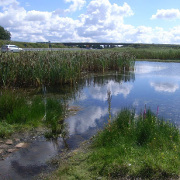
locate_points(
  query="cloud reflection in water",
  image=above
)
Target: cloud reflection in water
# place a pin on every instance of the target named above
(143, 69)
(86, 119)
(100, 92)
(95, 113)
(165, 87)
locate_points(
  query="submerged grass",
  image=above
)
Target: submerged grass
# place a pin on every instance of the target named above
(58, 67)
(18, 111)
(54, 119)
(129, 147)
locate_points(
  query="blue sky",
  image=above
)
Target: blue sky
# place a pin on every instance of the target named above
(92, 20)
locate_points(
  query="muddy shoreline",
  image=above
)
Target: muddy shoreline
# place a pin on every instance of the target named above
(15, 142)
(29, 155)
(63, 158)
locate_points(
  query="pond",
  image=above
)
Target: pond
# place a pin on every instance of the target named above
(152, 84)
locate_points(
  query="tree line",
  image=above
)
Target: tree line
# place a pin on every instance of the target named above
(4, 34)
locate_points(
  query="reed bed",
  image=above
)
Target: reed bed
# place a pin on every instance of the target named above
(50, 68)
(163, 54)
(152, 52)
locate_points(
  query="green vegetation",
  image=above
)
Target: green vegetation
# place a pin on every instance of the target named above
(152, 52)
(54, 118)
(4, 34)
(58, 67)
(31, 44)
(128, 147)
(18, 112)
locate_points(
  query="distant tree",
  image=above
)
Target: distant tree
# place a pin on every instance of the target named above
(4, 34)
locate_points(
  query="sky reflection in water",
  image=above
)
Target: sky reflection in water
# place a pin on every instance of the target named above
(155, 84)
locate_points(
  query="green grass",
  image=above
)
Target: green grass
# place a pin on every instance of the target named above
(128, 147)
(57, 68)
(20, 112)
(152, 52)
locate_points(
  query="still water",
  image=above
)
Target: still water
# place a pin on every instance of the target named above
(153, 84)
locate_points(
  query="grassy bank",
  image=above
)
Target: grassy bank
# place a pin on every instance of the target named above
(144, 147)
(152, 52)
(31, 45)
(19, 112)
(62, 67)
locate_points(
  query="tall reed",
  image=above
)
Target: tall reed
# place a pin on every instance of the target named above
(60, 67)
(152, 52)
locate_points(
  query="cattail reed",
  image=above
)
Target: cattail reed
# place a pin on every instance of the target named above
(58, 67)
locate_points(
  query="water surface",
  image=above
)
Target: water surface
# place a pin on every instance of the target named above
(153, 84)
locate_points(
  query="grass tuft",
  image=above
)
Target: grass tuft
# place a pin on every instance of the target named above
(144, 146)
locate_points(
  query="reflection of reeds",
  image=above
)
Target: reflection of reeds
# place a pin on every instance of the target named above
(50, 68)
(54, 119)
(109, 98)
(109, 104)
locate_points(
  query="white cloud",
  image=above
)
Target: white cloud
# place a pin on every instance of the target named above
(12, 16)
(167, 14)
(77, 5)
(176, 31)
(124, 10)
(37, 25)
(165, 87)
(102, 21)
(37, 16)
(8, 2)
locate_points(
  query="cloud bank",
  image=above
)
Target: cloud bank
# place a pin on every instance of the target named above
(167, 14)
(77, 5)
(101, 21)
